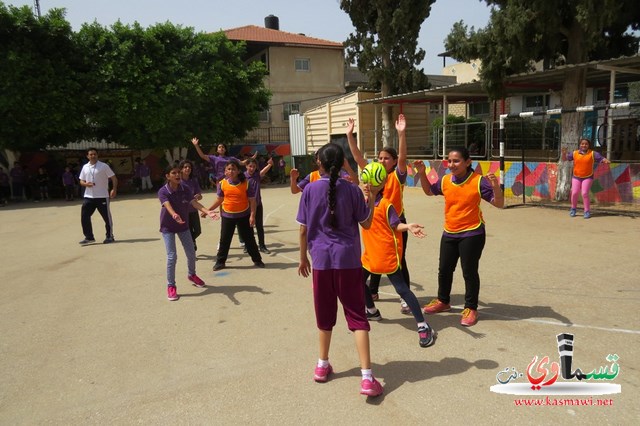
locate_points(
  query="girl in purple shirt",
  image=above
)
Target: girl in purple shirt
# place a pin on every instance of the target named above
(176, 198)
(329, 212)
(219, 161)
(187, 179)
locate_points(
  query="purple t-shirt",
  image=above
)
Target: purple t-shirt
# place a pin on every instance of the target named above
(219, 162)
(194, 186)
(180, 200)
(67, 179)
(331, 248)
(255, 180)
(251, 193)
(486, 192)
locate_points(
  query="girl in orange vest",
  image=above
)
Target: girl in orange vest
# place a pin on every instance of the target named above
(584, 162)
(382, 253)
(395, 162)
(236, 195)
(464, 234)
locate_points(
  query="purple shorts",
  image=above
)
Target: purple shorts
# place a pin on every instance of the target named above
(344, 284)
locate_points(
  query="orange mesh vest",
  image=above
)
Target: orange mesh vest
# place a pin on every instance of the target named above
(382, 245)
(235, 196)
(462, 204)
(393, 192)
(583, 164)
(314, 176)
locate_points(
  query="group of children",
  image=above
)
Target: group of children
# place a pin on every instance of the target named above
(238, 197)
(332, 209)
(330, 234)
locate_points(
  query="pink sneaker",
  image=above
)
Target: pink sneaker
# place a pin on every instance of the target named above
(322, 373)
(196, 281)
(370, 387)
(172, 293)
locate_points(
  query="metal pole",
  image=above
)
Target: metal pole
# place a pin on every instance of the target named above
(612, 90)
(501, 141)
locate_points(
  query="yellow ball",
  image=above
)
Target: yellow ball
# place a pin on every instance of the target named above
(373, 173)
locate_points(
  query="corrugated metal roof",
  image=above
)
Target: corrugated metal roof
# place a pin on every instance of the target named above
(254, 33)
(598, 75)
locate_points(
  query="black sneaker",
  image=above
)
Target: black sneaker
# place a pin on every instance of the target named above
(218, 266)
(87, 241)
(259, 264)
(108, 240)
(426, 336)
(376, 316)
(264, 250)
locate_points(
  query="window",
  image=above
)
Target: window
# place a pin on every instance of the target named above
(536, 103)
(435, 109)
(620, 94)
(478, 109)
(302, 64)
(288, 109)
(263, 116)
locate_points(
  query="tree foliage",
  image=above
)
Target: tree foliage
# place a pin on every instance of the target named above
(160, 86)
(39, 80)
(144, 88)
(521, 32)
(385, 42)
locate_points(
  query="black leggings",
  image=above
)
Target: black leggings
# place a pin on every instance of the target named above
(194, 225)
(227, 229)
(402, 289)
(468, 250)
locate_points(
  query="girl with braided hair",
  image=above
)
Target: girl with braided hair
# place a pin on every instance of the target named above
(329, 213)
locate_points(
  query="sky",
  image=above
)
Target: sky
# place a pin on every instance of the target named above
(315, 18)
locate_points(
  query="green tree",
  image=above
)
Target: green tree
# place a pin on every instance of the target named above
(385, 45)
(158, 87)
(521, 32)
(41, 99)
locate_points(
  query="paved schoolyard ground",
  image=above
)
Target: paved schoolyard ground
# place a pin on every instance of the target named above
(88, 336)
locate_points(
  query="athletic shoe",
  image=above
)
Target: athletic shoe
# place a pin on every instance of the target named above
(572, 212)
(370, 387)
(375, 296)
(244, 249)
(87, 241)
(218, 266)
(376, 316)
(259, 264)
(436, 306)
(426, 335)
(587, 214)
(322, 373)
(469, 317)
(108, 240)
(196, 281)
(404, 308)
(172, 293)
(264, 250)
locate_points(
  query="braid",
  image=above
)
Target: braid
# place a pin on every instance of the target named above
(333, 177)
(331, 158)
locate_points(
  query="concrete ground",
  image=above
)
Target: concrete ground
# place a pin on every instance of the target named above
(88, 336)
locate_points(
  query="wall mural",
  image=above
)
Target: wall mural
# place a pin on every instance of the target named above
(613, 183)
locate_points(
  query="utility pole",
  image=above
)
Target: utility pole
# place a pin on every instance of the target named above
(36, 8)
